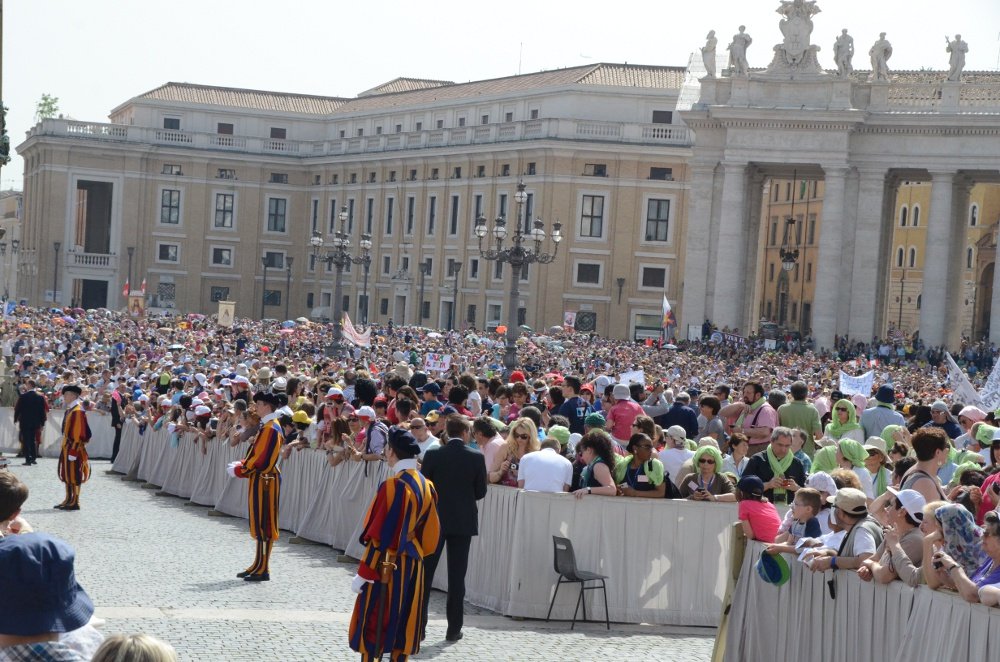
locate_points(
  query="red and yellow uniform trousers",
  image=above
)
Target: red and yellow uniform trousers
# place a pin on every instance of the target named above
(74, 465)
(401, 527)
(260, 468)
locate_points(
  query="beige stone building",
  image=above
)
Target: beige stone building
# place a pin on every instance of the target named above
(11, 207)
(205, 185)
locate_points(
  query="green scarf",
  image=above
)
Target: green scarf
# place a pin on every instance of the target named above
(887, 437)
(881, 480)
(779, 467)
(825, 459)
(834, 429)
(853, 452)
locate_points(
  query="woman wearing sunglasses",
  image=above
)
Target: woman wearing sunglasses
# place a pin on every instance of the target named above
(707, 483)
(843, 424)
(639, 474)
(522, 438)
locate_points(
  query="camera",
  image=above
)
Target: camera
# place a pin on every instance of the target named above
(513, 466)
(937, 564)
(214, 423)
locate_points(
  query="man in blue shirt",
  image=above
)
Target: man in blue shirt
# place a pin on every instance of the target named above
(574, 408)
(430, 392)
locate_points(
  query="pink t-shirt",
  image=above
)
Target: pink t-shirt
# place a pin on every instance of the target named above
(762, 417)
(763, 519)
(620, 418)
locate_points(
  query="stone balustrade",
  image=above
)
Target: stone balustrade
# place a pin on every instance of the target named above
(555, 129)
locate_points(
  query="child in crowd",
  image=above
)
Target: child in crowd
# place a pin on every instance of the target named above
(758, 516)
(803, 523)
(13, 494)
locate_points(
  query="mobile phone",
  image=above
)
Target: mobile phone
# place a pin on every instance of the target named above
(214, 423)
(937, 564)
(995, 487)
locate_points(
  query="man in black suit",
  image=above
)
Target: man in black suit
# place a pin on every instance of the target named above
(118, 402)
(29, 411)
(459, 476)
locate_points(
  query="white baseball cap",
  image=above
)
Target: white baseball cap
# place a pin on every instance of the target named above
(912, 500)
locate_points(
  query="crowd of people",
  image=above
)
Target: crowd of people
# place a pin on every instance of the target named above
(903, 484)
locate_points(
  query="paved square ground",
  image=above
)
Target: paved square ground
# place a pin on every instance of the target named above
(159, 565)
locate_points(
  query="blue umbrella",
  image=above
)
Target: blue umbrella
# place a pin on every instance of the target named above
(287, 324)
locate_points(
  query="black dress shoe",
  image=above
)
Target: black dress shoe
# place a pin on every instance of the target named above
(264, 577)
(60, 506)
(27, 464)
(71, 508)
(454, 637)
(241, 575)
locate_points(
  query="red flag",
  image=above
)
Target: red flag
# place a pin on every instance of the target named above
(142, 287)
(125, 289)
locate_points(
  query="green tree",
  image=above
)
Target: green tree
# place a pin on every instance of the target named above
(46, 107)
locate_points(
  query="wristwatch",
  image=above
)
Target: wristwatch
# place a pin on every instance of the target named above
(588, 490)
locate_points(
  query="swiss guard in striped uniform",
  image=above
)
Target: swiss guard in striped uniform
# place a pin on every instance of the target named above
(401, 527)
(260, 467)
(74, 467)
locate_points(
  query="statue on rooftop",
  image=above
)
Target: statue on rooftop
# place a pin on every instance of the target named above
(738, 65)
(708, 53)
(843, 52)
(880, 53)
(795, 56)
(958, 49)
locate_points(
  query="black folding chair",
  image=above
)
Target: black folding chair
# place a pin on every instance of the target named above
(565, 566)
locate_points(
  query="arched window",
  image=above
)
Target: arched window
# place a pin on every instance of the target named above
(913, 257)
(974, 215)
(968, 257)
(902, 216)
(899, 257)
(916, 216)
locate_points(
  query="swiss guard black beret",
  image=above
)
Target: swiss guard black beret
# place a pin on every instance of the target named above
(72, 388)
(268, 398)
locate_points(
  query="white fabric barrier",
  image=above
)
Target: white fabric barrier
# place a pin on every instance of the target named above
(867, 621)
(636, 542)
(666, 560)
(127, 462)
(102, 434)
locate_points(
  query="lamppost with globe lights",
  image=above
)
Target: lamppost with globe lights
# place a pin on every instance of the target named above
(516, 254)
(339, 256)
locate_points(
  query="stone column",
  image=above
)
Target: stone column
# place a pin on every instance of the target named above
(937, 253)
(753, 254)
(957, 290)
(694, 304)
(846, 273)
(825, 299)
(731, 248)
(995, 304)
(868, 270)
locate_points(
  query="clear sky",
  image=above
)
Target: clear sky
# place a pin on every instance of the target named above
(95, 54)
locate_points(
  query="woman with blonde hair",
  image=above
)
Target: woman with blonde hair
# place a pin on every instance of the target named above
(134, 648)
(522, 438)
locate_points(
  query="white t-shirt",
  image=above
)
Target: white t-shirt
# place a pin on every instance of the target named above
(673, 459)
(475, 403)
(430, 443)
(545, 471)
(864, 543)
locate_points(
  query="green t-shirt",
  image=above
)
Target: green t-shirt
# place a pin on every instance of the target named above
(801, 415)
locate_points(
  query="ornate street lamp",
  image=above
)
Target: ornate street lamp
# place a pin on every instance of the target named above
(339, 256)
(516, 254)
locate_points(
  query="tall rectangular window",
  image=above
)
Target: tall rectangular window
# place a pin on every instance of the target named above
(529, 211)
(592, 216)
(315, 216)
(503, 205)
(474, 269)
(478, 203)
(453, 217)
(431, 214)
(657, 219)
(170, 206)
(224, 210)
(369, 214)
(389, 205)
(411, 204)
(276, 208)
(350, 216)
